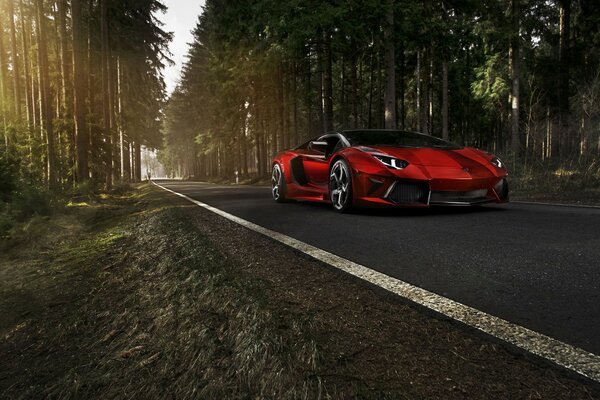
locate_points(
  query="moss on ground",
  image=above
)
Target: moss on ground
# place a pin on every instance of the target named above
(125, 299)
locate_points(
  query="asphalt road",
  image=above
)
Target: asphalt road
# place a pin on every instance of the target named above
(534, 265)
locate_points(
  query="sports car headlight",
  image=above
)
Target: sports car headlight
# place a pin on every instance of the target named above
(391, 162)
(496, 161)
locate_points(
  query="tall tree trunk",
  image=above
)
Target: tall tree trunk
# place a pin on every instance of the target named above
(64, 56)
(244, 151)
(379, 85)
(120, 120)
(138, 162)
(46, 98)
(58, 80)
(288, 76)
(467, 72)
(39, 93)
(445, 99)
(514, 71)
(94, 153)
(390, 68)
(112, 96)
(79, 92)
(273, 132)
(106, 120)
(259, 133)
(402, 87)
(28, 80)
(418, 91)
(360, 109)
(132, 162)
(343, 95)
(280, 107)
(327, 84)
(36, 111)
(425, 97)
(563, 78)
(3, 87)
(15, 61)
(294, 96)
(430, 97)
(371, 78)
(126, 159)
(354, 89)
(319, 82)
(308, 100)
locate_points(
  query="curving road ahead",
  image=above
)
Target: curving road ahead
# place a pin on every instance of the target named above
(537, 266)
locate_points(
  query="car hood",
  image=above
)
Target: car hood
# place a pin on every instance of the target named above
(432, 157)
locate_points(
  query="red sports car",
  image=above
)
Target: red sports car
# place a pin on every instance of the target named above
(362, 168)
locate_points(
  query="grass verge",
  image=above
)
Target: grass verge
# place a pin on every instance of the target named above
(127, 300)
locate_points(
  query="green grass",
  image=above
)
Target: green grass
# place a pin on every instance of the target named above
(129, 301)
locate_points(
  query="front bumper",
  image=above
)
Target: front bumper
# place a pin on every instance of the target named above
(424, 193)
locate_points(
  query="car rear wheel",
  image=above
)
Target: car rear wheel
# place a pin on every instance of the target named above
(340, 186)
(278, 184)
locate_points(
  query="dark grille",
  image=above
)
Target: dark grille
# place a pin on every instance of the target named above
(458, 197)
(409, 193)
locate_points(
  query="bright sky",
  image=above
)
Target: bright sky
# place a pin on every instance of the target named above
(180, 19)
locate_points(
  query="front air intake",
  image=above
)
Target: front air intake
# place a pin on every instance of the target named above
(448, 197)
(409, 193)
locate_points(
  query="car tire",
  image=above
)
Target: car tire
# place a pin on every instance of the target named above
(340, 186)
(278, 187)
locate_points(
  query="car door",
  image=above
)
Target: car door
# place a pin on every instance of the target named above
(316, 163)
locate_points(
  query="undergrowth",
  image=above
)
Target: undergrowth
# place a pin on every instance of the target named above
(166, 316)
(581, 175)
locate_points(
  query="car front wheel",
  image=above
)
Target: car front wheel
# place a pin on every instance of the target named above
(340, 186)
(278, 184)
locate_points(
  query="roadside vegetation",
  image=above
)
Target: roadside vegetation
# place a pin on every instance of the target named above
(574, 181)
(22, 198)
(516, 78)
(140, 295)
(121, 298)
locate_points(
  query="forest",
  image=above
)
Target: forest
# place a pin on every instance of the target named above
(517, 77)
(81, 91)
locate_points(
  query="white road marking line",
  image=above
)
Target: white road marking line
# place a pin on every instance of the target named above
(563, 354)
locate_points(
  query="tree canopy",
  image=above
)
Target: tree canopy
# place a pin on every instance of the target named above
(81, 87)
(517, 77)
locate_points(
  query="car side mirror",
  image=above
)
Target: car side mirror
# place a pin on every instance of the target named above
(320, 146)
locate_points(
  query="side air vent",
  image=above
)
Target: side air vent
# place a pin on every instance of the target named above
(298, 171)
(502, 189)
(409, 193)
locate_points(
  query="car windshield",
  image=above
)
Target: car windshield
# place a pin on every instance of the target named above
(396, 139)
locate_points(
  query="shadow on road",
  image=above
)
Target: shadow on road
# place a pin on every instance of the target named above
(405, 212)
